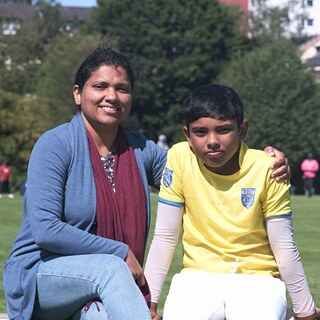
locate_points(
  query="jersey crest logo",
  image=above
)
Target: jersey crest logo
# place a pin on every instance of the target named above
(167, 177)
(247, 197)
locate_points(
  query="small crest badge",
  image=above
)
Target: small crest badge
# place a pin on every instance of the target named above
(247, 197)
(167, 177)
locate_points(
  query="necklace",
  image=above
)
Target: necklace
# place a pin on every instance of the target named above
(108, 162)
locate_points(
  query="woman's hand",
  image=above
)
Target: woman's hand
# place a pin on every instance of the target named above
(135, 268)
(280, 167)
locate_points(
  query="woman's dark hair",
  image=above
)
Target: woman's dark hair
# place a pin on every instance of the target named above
(212, 101)
(103, 56)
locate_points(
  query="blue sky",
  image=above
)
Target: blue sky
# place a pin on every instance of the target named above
(78, 3)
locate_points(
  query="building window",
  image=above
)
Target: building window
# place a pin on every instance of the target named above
(310, 3)
(310, 22)
(10, 28)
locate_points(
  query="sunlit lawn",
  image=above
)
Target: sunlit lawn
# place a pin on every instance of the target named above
(306, 221)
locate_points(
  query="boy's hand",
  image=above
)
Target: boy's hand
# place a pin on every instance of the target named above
(315, 316)
(155, 316)
(280, 167)
(153, 311)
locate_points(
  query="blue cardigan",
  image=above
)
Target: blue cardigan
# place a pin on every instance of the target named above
(60, 207)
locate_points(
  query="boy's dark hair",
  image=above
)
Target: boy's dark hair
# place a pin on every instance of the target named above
(213, 101)
(103, 56)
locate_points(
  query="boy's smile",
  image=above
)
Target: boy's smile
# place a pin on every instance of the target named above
(216, 142)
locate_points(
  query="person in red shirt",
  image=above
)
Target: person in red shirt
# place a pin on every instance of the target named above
(309, 167)
(6, 179)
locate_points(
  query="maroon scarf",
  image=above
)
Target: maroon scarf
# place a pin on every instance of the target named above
(121, 215)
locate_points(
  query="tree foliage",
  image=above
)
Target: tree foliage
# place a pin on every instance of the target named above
(281, 99)
(56, 75)
(22, 122)
(269, 22)
(176, 44)
(22, 54)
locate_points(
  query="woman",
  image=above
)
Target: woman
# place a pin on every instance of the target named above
(87, 207)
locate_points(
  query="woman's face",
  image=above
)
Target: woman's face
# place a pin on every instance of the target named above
(105, 99)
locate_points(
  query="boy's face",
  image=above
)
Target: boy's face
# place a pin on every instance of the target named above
(216, 142)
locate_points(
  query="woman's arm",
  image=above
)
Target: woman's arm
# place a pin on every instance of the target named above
(60, 204)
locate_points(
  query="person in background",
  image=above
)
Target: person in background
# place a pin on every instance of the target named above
(80, 248)
(162, 142)
(239, 254)
(6, 179)
(309, 167)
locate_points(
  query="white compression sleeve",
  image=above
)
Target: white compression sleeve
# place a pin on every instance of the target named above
(166, 235)
(280, 233)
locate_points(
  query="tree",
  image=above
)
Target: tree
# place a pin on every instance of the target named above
(281, 99)
(22, 122)
(22, 54)
(176, 44)
(269, 22)
(56, 75)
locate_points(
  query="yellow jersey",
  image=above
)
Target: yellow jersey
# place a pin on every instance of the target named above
(224, 215)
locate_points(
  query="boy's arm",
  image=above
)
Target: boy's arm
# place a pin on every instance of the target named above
(280, 167)
(166, 235)
(280, 233)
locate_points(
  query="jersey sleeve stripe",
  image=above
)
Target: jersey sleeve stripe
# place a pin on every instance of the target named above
(171, 203)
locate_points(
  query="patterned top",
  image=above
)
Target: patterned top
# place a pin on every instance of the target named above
(108, 164)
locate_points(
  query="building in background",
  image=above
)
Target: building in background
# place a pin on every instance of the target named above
(310, 54)
(303, 18)
(13, 15)
(311, 23)
(244, 4)
(303, 14)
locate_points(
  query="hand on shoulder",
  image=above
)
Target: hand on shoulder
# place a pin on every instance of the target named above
(280, 167)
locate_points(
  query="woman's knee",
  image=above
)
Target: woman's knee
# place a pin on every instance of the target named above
(112, 264)
(93, 310)
(109, 268)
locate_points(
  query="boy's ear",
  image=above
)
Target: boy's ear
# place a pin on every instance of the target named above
(243, 129)
(186, 132)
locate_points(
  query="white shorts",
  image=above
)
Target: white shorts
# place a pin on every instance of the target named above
(196, 295)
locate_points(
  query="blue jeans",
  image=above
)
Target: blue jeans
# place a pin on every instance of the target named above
(66, 283)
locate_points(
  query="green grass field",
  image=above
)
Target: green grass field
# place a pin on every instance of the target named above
(307, 235)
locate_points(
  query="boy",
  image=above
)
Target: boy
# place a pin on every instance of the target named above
(239, 254)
